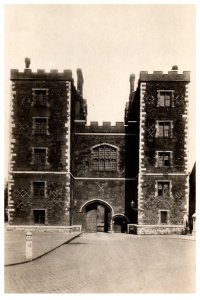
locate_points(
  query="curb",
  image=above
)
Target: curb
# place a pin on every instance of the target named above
(27, 261)
(167, 236)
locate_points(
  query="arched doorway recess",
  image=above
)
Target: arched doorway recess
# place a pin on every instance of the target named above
(97, 216)
(120, 223)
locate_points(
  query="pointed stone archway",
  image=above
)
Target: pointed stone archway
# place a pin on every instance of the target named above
(97, 216)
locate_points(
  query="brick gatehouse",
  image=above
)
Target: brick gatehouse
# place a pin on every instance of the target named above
(131, 176)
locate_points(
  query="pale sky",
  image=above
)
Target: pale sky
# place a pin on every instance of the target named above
(108, 42)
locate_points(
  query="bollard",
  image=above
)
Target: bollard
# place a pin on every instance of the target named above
(29, 248)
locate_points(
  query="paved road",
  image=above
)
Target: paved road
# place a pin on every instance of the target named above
(109, 263)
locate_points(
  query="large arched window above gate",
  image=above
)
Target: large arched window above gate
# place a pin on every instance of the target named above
(104, 157)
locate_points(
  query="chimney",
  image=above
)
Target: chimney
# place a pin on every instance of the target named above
(80, 81)
(132, 81)
(175, 68)
(27, 62)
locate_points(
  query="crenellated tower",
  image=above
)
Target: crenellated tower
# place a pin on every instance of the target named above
(163, 185)
(40, 146)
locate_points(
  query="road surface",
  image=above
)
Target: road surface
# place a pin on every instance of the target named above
(109, 263)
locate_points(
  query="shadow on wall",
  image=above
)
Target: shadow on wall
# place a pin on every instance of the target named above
(132, 153)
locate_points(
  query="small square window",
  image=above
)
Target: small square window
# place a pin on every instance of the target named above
(39, 156)
(163, 188)
(164, 129)
(40, 97)
(40, 125)
(165, 98)
(39, 189)
(164, 159)
(39, 216)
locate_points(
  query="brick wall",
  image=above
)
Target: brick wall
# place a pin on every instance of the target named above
(174, 203)
(54, 202)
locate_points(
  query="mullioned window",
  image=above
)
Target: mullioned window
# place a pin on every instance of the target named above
(104, 158)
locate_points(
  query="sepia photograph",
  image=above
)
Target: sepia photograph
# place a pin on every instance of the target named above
(99, 148)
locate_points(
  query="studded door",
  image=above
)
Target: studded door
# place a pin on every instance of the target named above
(91, 219)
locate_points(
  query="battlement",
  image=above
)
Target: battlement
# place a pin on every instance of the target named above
(159, 76)
(106, 127)
(41, 75)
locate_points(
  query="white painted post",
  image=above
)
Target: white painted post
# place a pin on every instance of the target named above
(29, 248)
(194, 224)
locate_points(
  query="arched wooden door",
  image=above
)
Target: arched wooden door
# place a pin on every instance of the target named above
(98, 218)
(91, 218)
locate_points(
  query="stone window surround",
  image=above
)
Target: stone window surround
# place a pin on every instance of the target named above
(33, 155)
(171, 99)
(34, 125)
(164, 121)
(108, 145)
(45, 187)
(159, 216)
(170, 158)
(162, 180)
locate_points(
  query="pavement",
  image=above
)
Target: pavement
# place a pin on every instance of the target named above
(110, 263)
(42, 243)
